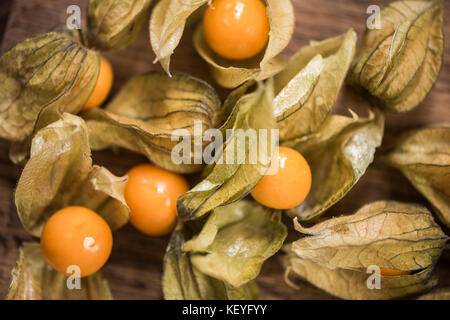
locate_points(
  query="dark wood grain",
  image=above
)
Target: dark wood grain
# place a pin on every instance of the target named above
(134, 269)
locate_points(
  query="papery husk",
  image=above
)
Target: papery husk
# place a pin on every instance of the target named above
(307, 88)
(42, 78)
(399, 63)
(34, 279)
(235, 241)
(113, 24)
(231, 73)
(335, 254)
(183, 281)
(149, 111)
(423, 156)
(228, 180)
(60, 174)
(349, 144)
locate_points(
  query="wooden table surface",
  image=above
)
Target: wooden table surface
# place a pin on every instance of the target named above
(134, 269)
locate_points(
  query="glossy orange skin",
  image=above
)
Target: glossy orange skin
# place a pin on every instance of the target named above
(393, 273)
(236, 29)
(76, 236)
(103, 87)
(289, 186)
(151, 194)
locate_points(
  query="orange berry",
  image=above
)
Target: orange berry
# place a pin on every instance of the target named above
(290, 183)
(151, 194)
(236, 29)
(76, 236)
(393, 273)
(103, 87)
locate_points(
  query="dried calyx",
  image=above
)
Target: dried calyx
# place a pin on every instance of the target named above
(399, 63)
